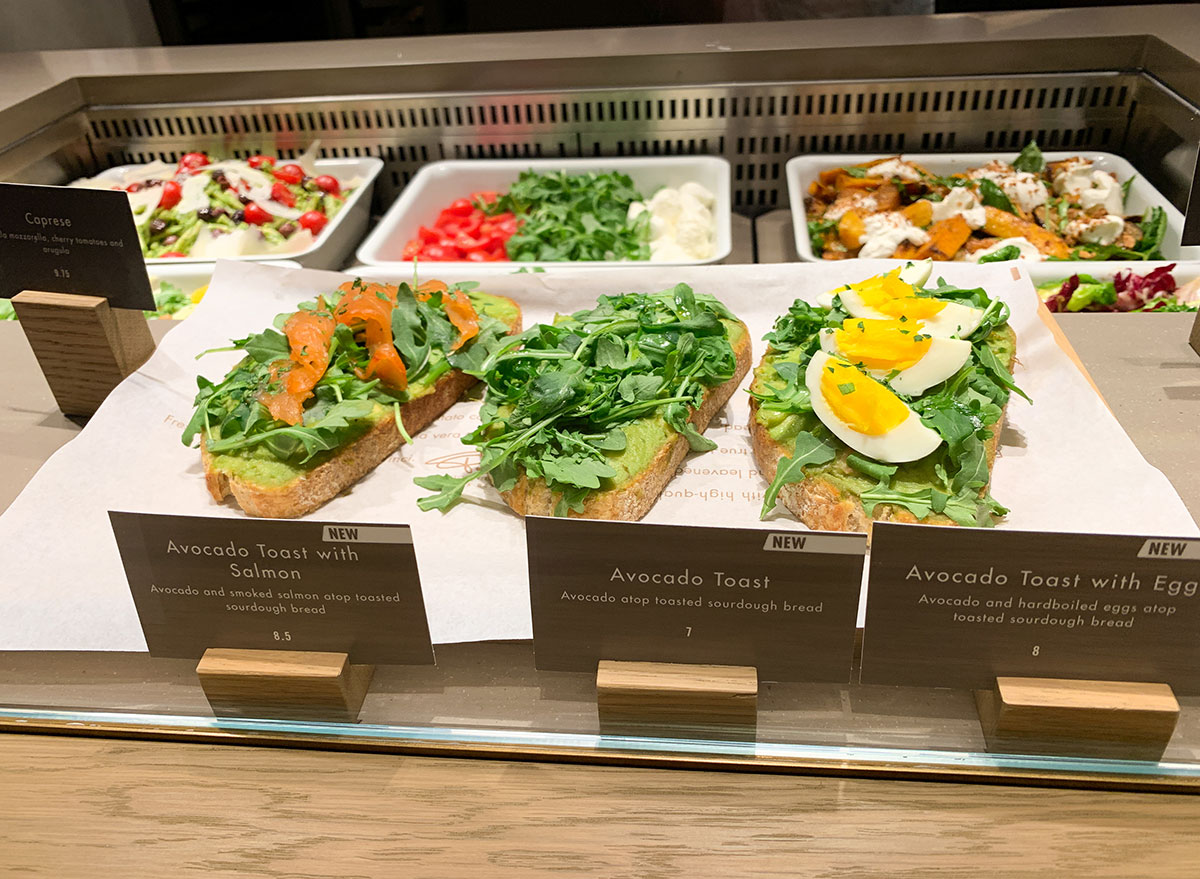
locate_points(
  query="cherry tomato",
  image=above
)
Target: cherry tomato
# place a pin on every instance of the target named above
(133, 187)
(255, 214)
(313, 221)
(325, 183)
(462, 231)
(173, 253)
(289, 173)
(466, 243)
(257, 161)
(193, 162)
(172, 192)
(283, 195)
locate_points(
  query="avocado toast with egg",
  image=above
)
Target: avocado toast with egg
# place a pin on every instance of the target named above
(591, 415)
(885, 403)
(337, 386)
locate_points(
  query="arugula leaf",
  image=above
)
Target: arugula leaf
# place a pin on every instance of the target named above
(1030, 159)
(919, 503)
(639, 386)
(7, 312)
(855, 172)
(449, 489)
(973, 467)
(1154, 229)
(993, 196)
(817, 230)
(265, 347)
(808, 450)
(1005, 253)
(1125, 189)
(992, 364)
(872, 468)
(797, 327)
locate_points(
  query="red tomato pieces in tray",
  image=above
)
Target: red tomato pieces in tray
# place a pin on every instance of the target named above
(464, 233)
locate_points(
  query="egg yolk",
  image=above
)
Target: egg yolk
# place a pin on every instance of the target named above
(889, 295)
(882, 344)
(858, 400)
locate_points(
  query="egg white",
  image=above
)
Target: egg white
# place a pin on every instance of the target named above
(909, 440)
(942, 359)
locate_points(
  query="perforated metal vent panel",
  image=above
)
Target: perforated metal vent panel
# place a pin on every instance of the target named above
(756, 126)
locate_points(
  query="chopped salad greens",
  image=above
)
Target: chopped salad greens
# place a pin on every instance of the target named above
(228, 207)
(1126, 291)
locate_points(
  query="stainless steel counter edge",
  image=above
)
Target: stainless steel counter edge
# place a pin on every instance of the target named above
(1024, 41)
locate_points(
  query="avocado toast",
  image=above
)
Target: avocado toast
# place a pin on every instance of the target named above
(885, 404)
(340, 383)
(591, 415)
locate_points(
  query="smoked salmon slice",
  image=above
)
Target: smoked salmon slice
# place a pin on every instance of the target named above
(458, 308)
(372, 306)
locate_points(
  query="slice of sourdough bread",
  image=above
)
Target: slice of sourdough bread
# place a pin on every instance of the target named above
(821, 504)
(315, 486)
(634, 497)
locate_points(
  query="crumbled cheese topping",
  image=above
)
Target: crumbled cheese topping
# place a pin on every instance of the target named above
(962, 202)
(1089, 187)
(859, 202)
(895, 168)
(1027, 191)
(885, 232)
(1096, 230)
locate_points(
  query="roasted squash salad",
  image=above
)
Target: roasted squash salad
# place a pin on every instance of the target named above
(1026, 209)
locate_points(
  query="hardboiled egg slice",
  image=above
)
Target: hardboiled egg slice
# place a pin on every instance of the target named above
(897, 352)
(913, 273)
(888, 297)
(864, 414)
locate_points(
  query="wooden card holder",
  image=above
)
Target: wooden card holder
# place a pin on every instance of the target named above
(1194, 338)
(677, 700)
(1113, 719)
(285, 684)
(84, 347)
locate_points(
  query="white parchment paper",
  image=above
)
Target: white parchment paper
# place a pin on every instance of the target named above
(1065, 464)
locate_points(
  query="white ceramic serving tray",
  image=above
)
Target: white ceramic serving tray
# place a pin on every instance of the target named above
(336, 241)
(436, 185)
(803, 170)
(1045, 272)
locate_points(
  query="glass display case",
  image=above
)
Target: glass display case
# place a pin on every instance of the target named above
(755, 99)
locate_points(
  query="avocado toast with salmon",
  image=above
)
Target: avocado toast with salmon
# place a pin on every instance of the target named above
(323, 398)
(590, 416)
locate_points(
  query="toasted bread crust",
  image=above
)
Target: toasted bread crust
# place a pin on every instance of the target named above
(822, 506)
(324, 482)
(532, 497)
